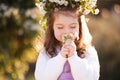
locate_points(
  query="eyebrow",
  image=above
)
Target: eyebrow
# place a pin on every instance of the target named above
(73, 23)
(58, 24)
(62, 24)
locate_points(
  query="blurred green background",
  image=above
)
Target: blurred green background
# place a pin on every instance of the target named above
(21, 38)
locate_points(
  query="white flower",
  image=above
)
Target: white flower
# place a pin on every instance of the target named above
(77, 0)
(96, 11)
(8, 12)
(35, 27)
(66, 3)
(93, 4)
(3, 7)
(40, 6)
(92, 0)
(61, 2)
(86, 11)
(51, 1)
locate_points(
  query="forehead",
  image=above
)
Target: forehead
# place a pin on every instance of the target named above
(66, 13)
(65, 17)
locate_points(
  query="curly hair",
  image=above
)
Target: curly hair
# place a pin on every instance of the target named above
(51, 42)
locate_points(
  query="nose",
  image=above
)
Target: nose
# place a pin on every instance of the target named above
(67, 31)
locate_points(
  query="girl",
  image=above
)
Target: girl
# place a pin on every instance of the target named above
(81, 62)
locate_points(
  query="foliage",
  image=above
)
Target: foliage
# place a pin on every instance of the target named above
(106, 38)
(18, 29)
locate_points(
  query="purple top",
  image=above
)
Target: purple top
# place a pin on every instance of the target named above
(66, 73)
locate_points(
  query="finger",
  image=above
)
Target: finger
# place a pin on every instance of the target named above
(70, 47)
(64, 53)
(66, 46)
(68, 41)
(64, 49)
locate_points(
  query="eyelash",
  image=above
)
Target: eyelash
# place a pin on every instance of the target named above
(60, 27)
(70, 27)
(73, 27)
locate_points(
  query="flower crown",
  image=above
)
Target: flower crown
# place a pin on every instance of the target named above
(85, 6)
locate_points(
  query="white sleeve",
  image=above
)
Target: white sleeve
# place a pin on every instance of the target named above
(86, 68)
(48, 68)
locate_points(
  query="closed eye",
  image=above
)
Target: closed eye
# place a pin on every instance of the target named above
(60, 27)
(73, 27)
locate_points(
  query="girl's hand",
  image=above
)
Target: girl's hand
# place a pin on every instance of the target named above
(68, 48)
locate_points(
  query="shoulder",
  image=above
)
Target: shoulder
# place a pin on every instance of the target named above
(43, 53)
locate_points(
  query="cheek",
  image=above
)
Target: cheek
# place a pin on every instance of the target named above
(76, 30)
(57, 35)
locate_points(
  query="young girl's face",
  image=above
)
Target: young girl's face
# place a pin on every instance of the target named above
(64, 25)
